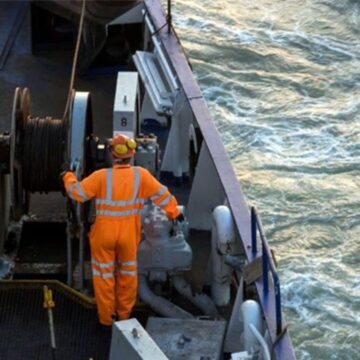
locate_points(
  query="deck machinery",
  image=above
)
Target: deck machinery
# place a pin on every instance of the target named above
(208, 279)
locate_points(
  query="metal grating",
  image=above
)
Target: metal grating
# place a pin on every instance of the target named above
(24, 328)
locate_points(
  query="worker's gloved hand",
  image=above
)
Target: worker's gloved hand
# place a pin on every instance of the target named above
(180, 218)
(179, 225)
(65, 167)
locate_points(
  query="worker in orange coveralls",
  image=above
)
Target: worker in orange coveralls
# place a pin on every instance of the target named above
(120, 193)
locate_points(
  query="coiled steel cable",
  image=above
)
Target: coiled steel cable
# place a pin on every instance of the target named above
(43, 153)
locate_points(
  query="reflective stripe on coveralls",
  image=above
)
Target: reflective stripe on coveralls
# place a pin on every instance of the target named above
(127, 263)
(120, 195)
(79, 190)
(104, 276)
(103, 265)
(110, 265)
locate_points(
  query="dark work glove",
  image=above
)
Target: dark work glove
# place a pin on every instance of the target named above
(65, 167)
(180, 218)
(179, 225)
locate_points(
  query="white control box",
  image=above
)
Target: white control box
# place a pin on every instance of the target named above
(125, 104)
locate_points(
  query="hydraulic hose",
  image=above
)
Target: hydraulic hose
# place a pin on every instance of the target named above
(160, 304)
(262, 342)
(200, 300)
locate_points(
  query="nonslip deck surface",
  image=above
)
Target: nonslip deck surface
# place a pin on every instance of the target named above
(24, 330)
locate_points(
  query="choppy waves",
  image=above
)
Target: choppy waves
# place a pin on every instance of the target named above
(283, 83)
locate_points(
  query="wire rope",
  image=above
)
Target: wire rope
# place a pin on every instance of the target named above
(43, 149)
(75, 58)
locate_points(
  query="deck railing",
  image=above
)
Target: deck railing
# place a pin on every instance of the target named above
(267, 264)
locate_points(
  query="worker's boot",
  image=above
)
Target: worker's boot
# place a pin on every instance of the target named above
(104, 335)
(114, 317)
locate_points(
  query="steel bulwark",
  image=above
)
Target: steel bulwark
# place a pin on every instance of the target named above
(282, 346)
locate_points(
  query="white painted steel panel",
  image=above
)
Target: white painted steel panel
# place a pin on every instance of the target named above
(187, 338)
(130, 341)
(125, 118)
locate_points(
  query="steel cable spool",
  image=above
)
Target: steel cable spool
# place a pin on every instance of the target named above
(31, 158)
(33, 151)
(43, 153)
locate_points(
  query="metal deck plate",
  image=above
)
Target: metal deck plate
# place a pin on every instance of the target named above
(24, 329)
(183, 339)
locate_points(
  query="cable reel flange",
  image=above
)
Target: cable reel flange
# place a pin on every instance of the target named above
(14, 199)
(5, 207)
(20, 113)
(80, 130)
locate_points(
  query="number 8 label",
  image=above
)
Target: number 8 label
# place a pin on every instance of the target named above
(123, 121)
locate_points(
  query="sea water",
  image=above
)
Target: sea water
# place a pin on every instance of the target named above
(282, 79)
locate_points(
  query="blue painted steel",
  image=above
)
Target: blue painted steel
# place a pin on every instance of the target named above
(268, 264)
(277, 303)
(265, 266)
(253, 231)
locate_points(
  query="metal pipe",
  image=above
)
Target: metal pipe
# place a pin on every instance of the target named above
(169, 18)
(253, 231)
(52, 333)
(200, 300)
(69, 253)
(81, 256)
(269, 263)
(265, 271)
(48, 305)
(262, 342)
(168, 72)
(146, 38)
(158, 303)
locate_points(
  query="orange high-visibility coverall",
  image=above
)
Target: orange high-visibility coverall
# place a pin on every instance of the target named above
(120, 194)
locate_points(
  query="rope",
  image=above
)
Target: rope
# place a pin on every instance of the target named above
(44, 141)
(159, 29)
(76, 54)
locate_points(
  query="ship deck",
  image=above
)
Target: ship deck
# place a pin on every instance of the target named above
(46, 72)
(24, 328)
